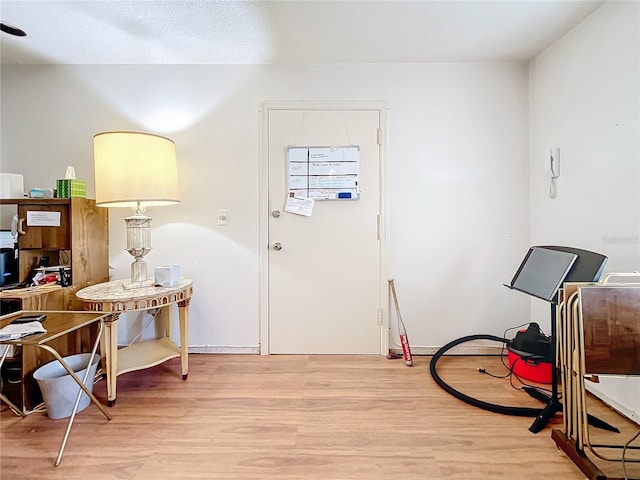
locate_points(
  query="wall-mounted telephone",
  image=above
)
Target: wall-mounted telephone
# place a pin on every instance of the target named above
(552, 169)
(552, 163)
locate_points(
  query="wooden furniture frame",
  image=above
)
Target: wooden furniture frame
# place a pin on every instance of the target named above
(112, 298)
(83, 235)
(594, 321)
(81, 241)
(58, 324)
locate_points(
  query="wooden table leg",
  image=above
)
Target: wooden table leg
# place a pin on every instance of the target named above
(183, 313)
(109, 348)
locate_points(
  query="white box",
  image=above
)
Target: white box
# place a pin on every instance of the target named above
(11, 185)
(167, 276)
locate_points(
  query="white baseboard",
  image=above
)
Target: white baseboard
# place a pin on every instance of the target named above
(457, 350)
(225, 349)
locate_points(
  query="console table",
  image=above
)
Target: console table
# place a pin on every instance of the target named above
(112, 298)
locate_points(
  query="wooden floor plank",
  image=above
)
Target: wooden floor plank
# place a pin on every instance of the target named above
(246, 417)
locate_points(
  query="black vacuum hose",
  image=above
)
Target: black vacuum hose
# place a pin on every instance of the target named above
(492, 407)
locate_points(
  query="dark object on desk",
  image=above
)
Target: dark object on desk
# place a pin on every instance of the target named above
(8, 267)
(9, 306)
(65, 276)
(29, 318)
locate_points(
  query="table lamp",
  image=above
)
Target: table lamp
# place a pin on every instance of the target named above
(135, 170)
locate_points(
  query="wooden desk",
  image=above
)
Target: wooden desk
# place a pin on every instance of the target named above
(112, 298)
(57, 324)
(19, 385)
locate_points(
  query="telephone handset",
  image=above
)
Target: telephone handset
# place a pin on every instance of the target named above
(552, 169)
(552, 163)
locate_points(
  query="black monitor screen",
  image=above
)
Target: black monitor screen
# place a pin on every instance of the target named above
(542, 272)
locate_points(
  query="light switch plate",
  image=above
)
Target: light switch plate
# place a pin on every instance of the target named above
(222, 218)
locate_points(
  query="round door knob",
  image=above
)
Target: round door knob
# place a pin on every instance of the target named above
(277, 246)
(276, 213)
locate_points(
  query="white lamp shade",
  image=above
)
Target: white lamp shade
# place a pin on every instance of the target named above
(133, 168)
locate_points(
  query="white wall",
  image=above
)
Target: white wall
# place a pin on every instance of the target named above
(459, 179)
(585, 99)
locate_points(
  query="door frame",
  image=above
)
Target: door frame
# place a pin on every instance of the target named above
(265, 108)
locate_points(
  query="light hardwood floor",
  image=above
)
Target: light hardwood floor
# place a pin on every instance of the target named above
(255, 417)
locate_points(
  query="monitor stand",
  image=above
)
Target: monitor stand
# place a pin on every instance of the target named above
(540, 275)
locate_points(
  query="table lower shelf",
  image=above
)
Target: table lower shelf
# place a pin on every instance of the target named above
(145, 354)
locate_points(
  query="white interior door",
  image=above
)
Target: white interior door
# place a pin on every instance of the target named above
(325, 276)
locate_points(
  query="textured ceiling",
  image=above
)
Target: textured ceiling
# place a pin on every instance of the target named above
(285, 32)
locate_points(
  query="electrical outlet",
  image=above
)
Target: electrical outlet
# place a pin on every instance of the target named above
(222, 218)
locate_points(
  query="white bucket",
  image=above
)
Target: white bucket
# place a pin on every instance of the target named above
(60, 390)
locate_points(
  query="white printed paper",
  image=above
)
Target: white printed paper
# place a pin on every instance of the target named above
(14, 331)
(299, 205)
(43, 219)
